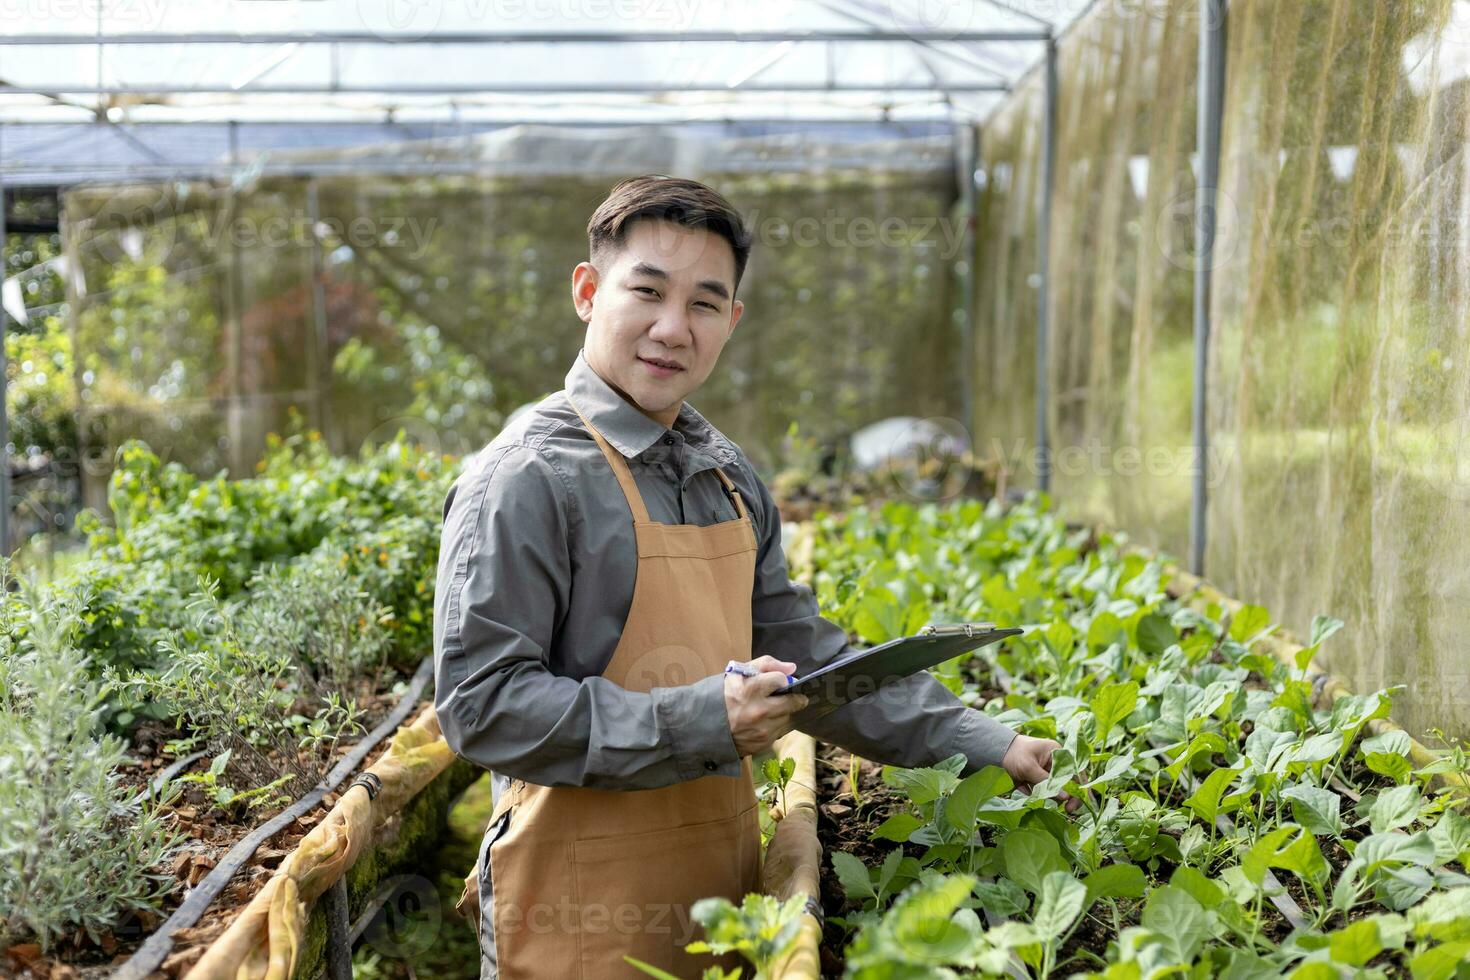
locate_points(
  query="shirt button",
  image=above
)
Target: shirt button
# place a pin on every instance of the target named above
(668, 440)
(710, 765)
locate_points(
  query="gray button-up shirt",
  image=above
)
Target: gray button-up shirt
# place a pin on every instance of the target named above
(535, 580)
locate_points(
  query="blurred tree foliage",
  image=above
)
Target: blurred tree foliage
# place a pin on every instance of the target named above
(442, 304)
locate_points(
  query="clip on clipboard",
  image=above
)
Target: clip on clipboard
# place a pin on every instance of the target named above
(864, 672)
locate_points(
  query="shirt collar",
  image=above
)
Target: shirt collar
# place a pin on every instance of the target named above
(627, 429)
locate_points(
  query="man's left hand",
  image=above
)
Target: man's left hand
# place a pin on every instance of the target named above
(1028, 761)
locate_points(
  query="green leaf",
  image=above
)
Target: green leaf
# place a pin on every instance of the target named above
(922, 786)
(649, 968)
(1441, 962)
(1389, 764)
(1451, 837)
(1317, 809)
(1002, 897)
(1357, 943)
(1061, 899)
(1205, 742)
(889, 869)
(853, 875)
(1290, 848)
(1115, 881)
(1116, 767)
(1200, 888)
(1395, 846)
(1155, 635)
(973, 792)
(1029, 856)
(1103, 630)
(1111, 705)
(1248, 622)
(1323, 627)
(1205, 800)
(1445, 908)
(898, 827)
(1318, 748)
(1179, 921)
(1399, 888)
(1395, 741)
(1395, 807)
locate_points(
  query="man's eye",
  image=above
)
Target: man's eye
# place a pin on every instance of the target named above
(709, 306)
(645, 289)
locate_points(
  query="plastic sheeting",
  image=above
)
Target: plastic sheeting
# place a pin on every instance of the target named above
(1339, 444)
(207, 311)
(1122, 273)
(1341, 369)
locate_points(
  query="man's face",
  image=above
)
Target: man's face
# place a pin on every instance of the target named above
(659, 313)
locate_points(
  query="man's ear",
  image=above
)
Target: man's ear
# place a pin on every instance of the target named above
(735, 312)
(584, 288)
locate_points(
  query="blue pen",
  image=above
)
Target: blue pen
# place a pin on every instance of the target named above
(746, 670)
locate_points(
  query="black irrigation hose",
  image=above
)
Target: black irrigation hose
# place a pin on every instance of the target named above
(158, 945)
(156, 786)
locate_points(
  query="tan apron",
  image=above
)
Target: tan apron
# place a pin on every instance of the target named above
(581, 876)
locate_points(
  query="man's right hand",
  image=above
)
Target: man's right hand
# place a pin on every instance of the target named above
(756, 718)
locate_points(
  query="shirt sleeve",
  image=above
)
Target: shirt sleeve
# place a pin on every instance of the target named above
(913, 722)
(504, 581)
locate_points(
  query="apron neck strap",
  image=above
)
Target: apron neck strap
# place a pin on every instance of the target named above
(734, 494)
(620, 469)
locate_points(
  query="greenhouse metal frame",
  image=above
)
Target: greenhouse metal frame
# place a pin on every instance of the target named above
(51, 109)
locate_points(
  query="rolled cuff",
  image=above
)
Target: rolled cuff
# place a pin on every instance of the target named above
(698, 726)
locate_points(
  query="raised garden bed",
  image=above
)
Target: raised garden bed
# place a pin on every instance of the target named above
(221, 646)
(1243, 815)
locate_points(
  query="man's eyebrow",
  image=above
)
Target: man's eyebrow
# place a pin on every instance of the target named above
(710, 285)
(716, 287)
(644, 269)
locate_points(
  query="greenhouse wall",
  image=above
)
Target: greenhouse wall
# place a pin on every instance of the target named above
(209, 313)
(1339, 462)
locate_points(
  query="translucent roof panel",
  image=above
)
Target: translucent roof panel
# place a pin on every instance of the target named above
(489, 62)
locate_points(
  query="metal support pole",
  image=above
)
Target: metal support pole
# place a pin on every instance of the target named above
(318, 349)
(1043, 244)
(234, 325)
(339, 940)
(4, 383)
(967, 139)
(1211, 94)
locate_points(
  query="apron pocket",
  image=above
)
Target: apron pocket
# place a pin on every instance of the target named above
(634, 892)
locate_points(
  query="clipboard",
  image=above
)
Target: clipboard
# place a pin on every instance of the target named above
(864, 672)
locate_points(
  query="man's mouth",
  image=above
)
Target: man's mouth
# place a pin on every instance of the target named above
(662, 364)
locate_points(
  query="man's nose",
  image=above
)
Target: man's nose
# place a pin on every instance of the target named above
(671, 328)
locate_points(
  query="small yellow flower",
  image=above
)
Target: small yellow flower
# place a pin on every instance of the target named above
(383, 557)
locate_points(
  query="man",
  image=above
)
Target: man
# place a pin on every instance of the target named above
(604, 559)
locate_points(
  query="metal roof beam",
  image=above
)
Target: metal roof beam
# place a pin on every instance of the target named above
(571, 88)
(523, 37)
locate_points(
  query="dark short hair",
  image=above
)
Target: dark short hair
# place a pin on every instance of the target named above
(656, 196)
